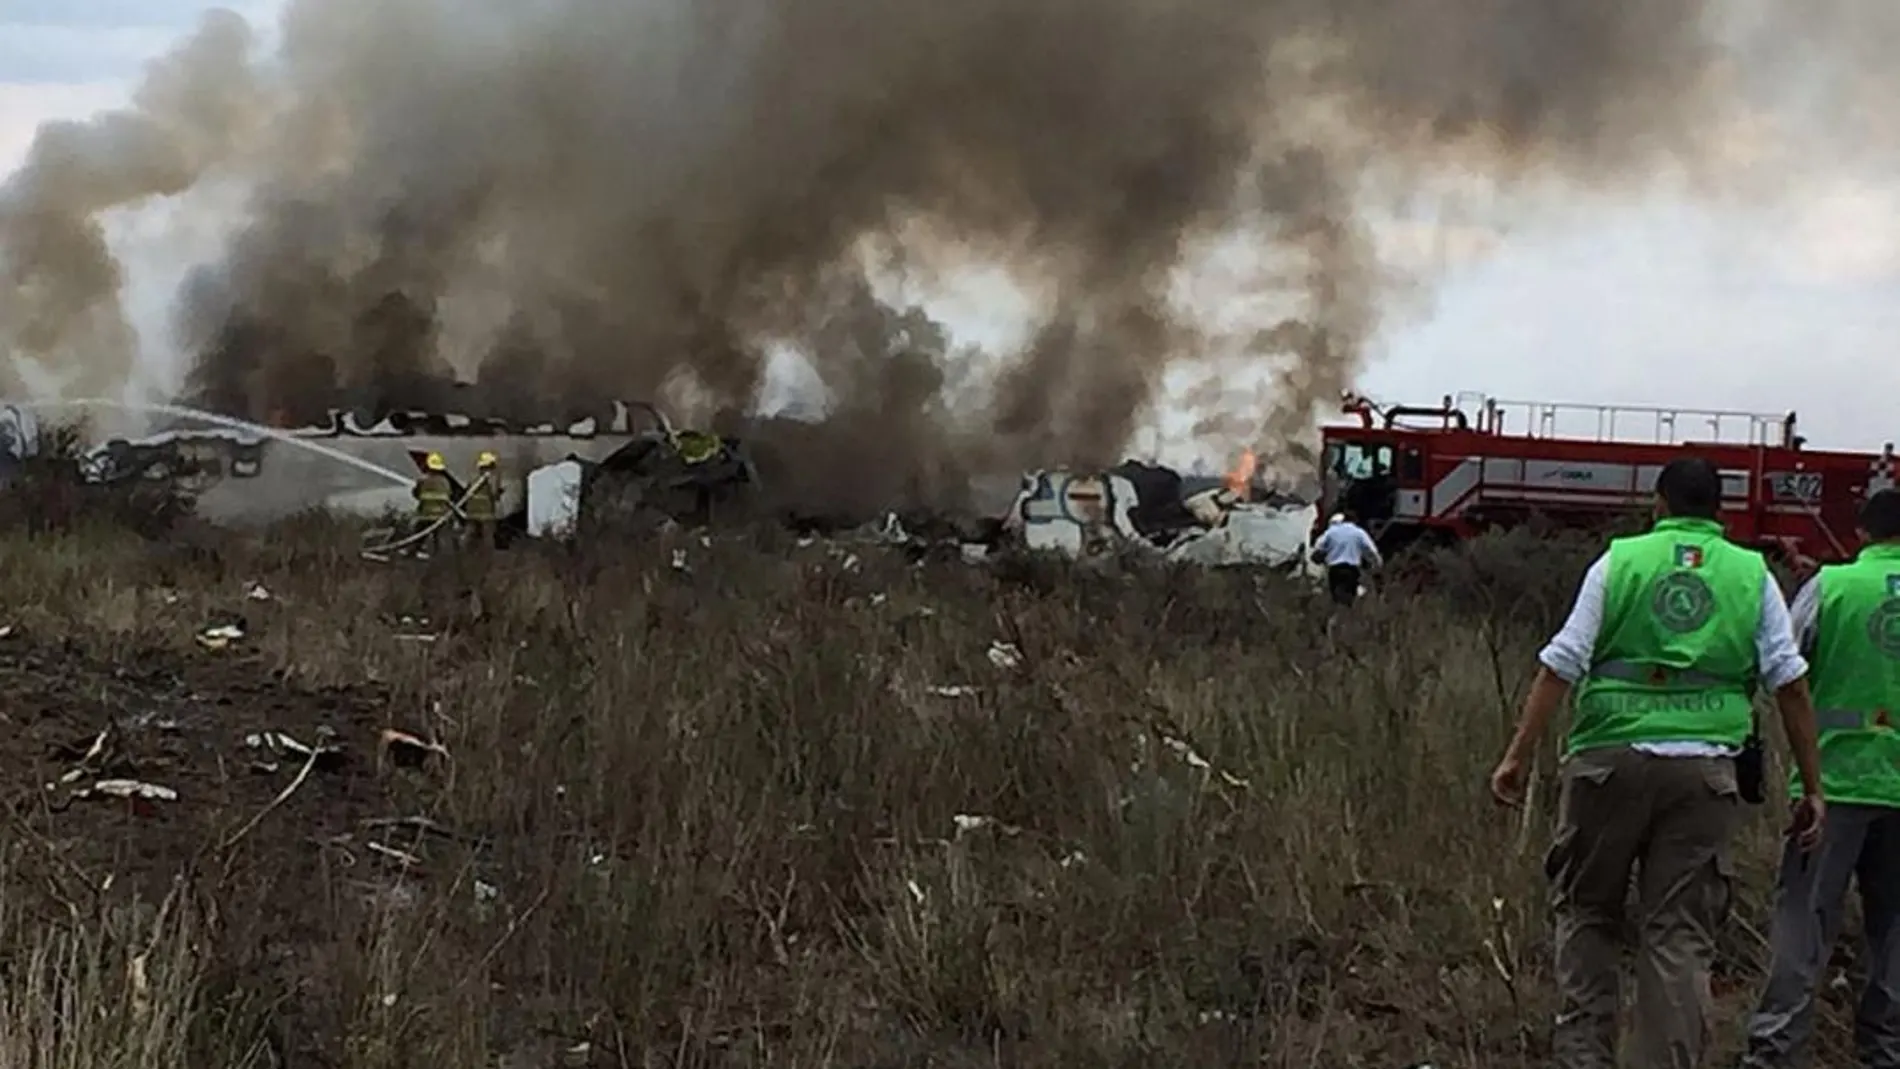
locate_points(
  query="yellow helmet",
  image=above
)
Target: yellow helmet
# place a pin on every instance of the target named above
(486, 460)
(435, 463)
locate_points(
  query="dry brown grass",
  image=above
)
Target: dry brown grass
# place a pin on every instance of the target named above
(717, 817)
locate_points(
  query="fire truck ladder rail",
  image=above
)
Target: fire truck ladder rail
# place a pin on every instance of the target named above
(1635, 423)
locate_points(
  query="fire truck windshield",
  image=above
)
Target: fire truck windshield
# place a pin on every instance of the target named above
(1351, 461)
(1358, 476)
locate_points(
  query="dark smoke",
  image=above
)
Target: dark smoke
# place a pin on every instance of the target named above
(628, 197)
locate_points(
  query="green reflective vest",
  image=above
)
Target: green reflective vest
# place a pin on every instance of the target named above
(481, 504)
(1855, 673)
(434, 496)
(1675, 660)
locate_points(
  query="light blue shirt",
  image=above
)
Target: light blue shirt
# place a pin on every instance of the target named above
(1346, 542)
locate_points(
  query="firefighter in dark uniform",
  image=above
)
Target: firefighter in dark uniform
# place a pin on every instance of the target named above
(435, 499)
(483, 502)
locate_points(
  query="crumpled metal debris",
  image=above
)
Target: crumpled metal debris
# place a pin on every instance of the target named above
(1147, 507)
(326, 754)
(127, 788)
(220, 636)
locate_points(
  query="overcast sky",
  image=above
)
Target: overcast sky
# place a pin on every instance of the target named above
(1659, 302)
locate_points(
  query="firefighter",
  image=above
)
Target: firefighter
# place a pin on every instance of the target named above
(483, 501)
(697, 447)
(1847, 618)
(1669, 635)
(1345, 549)
(435, 500)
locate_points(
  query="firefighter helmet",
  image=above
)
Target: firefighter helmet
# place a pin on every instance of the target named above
(486, 460)
(434, 462)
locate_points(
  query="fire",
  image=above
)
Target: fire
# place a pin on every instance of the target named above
(1240, 476)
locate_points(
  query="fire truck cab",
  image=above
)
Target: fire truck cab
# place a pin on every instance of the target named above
(1447, 472)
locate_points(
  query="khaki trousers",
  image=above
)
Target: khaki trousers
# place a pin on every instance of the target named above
(1663, 823)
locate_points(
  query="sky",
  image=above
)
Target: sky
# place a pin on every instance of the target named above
(1785, 303)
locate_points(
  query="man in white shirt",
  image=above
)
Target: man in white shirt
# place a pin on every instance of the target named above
(1345, 549)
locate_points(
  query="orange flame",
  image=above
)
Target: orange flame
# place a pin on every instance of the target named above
(1240, 476)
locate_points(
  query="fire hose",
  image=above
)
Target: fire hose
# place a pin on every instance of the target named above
(455, 512)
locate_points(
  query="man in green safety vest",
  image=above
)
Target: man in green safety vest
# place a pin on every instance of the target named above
(1847, 619)
(1671, 634)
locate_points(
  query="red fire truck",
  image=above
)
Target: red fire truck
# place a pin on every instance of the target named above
(1448, 472)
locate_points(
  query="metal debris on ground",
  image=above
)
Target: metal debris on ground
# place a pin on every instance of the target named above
(257, 592)
(953, 691)
(129, 789)
(414, 629)
(1156, 509)
(403, 858)
(220, 636)
(89, 762)
(966, 823)
(1193, 759)
(1005, 655)
(327, 754)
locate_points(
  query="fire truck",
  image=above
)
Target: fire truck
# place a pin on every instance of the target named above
(1439, 474)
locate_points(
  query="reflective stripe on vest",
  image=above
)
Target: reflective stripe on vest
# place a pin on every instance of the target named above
(1655, 675)
(1850, 719)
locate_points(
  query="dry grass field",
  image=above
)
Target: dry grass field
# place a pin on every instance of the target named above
(783, 806)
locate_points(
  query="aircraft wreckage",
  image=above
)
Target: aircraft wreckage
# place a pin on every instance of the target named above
(637, 470)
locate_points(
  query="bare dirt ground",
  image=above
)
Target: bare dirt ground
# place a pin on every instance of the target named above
(750, 802)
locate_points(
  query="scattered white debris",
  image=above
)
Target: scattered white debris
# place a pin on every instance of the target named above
(280, 745)
(969, 822)
(400, 857)
(1194, 760)
(1005, 655)
(890, 529)
(974, 552)
(679, 561)
(851, 562)
(916, 892)
(128, 788)
(220, 636)
(6, 630)
(257, 592)
(953, 691)
(486, 895)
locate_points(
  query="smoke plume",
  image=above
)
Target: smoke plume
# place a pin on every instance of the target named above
(571, 200)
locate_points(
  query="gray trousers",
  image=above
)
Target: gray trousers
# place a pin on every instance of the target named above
(1864, 842)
